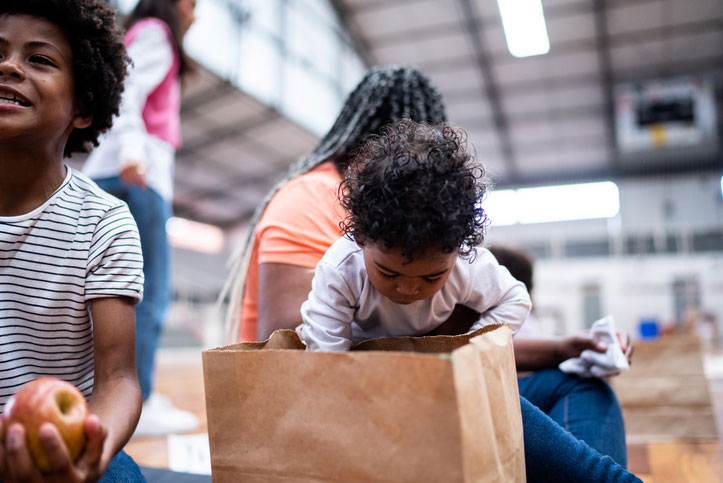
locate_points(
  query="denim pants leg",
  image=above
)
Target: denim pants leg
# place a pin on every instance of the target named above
(586, 407)
(554, 455)
(150, 212)
(122, 469)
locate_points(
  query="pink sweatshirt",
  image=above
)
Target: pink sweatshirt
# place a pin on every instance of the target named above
(161, 113)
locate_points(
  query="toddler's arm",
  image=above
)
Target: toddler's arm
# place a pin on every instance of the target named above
(511, 309)
(499, 297)
(328, 312)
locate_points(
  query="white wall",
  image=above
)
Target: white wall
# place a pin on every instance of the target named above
(632, 287)
(672, 203)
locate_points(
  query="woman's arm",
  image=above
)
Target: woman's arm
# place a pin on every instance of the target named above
(282, 290)
(531, 353)
(329, 310)
(299, 224)
(534, 353)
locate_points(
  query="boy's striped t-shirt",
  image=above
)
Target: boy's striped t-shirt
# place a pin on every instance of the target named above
(81, 244)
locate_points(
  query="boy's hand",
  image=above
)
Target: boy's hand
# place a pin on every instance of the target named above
(16, 464)
(133, 172)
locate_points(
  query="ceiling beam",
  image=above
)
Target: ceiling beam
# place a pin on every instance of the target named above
(445, 29)
(571, 113)
(525, 86)
(630, 74)
(371, 5)
(607, 81)
(490, 91)
(556, 144)
(358, 41)
(552, 12)
(587, 45)
(217, 90)
(711, 165)
(214, 136)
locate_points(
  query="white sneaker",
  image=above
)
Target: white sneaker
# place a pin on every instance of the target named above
(159, 416)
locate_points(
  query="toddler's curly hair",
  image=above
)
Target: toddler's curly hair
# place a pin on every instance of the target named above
(99, 58)
(415, 187)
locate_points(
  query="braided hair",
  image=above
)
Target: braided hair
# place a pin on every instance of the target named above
(385, 94)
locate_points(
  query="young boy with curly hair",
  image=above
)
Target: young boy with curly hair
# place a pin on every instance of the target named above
(410, 252)
(70, 256)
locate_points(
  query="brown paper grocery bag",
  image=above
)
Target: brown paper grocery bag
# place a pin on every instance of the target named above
(392, 410)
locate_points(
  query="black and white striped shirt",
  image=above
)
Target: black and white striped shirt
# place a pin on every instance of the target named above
(81, 244)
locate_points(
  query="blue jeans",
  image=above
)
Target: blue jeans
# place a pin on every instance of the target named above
(150, 212)
(554, 455)
(122, 469)
(586, 407)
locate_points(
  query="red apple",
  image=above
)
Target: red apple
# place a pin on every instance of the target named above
(49, 400)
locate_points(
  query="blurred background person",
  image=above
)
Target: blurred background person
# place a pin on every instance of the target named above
(585, 406)
(134, 162)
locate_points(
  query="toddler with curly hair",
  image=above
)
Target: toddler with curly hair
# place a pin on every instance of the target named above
(410, 254)
(410, 251)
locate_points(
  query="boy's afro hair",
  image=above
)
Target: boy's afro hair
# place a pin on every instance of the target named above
(415, 187)
(99, 58)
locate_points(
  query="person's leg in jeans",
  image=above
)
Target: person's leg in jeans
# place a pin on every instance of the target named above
(122, 469)
(554, 455)
(150, 212)
(586, 407)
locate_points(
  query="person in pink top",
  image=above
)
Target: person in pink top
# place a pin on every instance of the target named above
(135, 161)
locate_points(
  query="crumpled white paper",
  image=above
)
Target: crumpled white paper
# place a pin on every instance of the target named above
(591, 363)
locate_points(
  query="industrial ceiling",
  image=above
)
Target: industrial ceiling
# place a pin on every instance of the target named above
(538, 120)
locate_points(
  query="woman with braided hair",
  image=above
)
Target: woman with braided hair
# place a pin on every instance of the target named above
(299, 219)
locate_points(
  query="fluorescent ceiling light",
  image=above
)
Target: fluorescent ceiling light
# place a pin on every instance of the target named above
(553, 203)
(525, 29)
(501, 207)
(193, 235)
